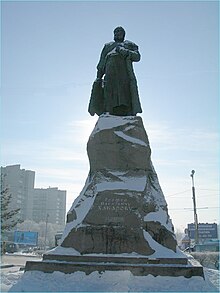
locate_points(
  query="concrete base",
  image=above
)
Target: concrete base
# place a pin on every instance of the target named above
(138, 266)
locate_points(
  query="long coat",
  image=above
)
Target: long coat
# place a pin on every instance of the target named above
(119, 95)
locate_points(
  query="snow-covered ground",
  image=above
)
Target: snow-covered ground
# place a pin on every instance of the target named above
(35, 281)
(15, 280)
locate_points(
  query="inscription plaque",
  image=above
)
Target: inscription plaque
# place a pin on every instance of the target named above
(113, 208)
(114, 204)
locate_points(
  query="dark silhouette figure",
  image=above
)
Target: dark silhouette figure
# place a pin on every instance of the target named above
(117, 93)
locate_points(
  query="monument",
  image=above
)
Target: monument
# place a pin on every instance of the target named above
(120, 220)
(117, 93)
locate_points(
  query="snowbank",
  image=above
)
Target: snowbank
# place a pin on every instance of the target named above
(35, 281)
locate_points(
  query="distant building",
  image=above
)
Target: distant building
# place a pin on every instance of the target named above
(20, 184)
(49, 204)
(34, 203)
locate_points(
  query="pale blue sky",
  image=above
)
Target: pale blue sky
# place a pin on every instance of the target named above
(49, 55)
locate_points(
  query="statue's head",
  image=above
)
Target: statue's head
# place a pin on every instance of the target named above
(119, 34)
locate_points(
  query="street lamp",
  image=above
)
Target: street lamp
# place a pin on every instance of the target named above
(194, 208)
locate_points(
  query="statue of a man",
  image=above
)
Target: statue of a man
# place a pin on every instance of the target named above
(117, 93)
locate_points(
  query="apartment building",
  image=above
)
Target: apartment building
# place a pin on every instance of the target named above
(20, 184)
(49, 204)
(36, 204)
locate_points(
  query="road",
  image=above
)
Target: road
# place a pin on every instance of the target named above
(18, 260)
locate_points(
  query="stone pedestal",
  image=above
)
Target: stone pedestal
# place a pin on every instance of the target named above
(138, 266)
(122, 203)
(120, 219)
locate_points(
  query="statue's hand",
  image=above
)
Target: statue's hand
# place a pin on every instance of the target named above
(117, 48)
(121, 50)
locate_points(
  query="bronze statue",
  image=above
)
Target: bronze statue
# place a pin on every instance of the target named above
(117, 93)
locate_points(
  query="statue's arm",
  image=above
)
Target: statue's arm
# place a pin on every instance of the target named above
(101, 64)
(129, 51)
(134, 54)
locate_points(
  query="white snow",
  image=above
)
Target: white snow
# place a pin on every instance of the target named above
(160, 250)
(112, 52)
(10, 278)
(126, 183)
(109, 281)
(107, 121)
(130, 138)
(84, 203)
(59, 250)
(159, 216)
(129, 127)
(14, 280)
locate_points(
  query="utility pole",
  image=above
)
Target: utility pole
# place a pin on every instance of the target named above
(194, 208)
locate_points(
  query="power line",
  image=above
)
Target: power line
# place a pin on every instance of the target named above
(208, 196)
(178, 193)
(208, 189)
(191, 209)
(184, 191)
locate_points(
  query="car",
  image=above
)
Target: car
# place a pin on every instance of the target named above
(9, 246)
